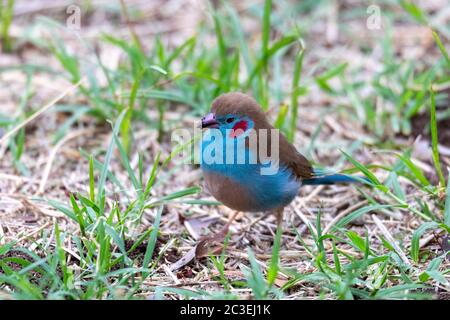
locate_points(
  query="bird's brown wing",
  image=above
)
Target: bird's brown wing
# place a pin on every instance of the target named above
(294, 160)
(288, 154)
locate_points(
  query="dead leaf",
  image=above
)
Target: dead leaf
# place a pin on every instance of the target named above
(280, 282)
(209, 245)
(185, 273)
(188, 257)
(181, 218)
(446, 246)
(196, 227)
(30, 218)
(204, 247)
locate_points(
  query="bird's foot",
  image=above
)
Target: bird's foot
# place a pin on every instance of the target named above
(214, 243)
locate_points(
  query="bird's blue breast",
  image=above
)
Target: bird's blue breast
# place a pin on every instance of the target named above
(267, 192)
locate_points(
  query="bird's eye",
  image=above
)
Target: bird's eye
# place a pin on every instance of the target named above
(230, 120)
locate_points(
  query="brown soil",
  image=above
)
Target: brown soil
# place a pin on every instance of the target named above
(421, 126)
(35, 276)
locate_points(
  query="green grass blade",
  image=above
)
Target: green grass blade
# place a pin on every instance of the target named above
(6, 17)
(416, 237)
(126, 164)
(356, 214)
(447, 203)
(281, 117)
(91, 179)
(414, 11)
(434, 139)
(266, 30)
(295, 93)
(152, 241)
(441, 47)
(239, 33)
(255, 277)
(274, 261)
(366, 171)
(104, 171)
(278, 45)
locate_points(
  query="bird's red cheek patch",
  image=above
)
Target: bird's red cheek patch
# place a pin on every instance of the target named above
(239, 128)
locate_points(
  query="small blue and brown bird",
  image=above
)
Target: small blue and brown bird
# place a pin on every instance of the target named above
(241, 185)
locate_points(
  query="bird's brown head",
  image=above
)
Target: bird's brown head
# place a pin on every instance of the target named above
(233, 109)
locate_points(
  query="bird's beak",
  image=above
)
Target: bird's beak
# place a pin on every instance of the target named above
(209, 121)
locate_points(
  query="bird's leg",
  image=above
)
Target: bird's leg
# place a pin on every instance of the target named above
(213, 243)
(224, 231)
(279, 215)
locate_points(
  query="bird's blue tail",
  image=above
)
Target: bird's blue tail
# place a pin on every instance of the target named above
(323, 178)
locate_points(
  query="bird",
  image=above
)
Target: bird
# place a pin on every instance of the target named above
(234, 119)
